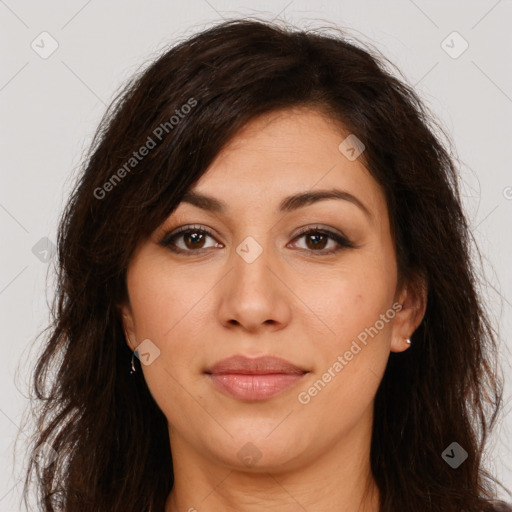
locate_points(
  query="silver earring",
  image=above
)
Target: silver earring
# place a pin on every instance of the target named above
(408, 341)
(133, 370)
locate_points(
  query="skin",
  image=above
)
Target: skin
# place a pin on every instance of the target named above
(304, 306)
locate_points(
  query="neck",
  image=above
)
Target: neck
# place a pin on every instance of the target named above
(338, 479)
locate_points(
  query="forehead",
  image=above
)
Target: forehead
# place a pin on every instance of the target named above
(285, 152)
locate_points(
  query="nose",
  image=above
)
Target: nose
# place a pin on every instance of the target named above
(253, 295)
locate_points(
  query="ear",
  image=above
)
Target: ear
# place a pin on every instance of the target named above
(413, 300)
(125, 311)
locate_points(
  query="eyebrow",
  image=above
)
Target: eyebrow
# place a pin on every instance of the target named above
(288, 204)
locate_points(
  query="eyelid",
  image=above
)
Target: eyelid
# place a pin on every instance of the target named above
(318, 227)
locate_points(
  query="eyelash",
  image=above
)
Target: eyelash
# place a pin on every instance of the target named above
(168, 240)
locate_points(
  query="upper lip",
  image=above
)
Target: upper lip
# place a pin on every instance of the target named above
(254, 366)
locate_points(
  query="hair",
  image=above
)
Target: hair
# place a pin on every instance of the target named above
(107, 445)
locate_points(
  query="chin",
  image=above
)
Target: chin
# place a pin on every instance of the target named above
(257, 451)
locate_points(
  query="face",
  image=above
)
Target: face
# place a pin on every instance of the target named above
(311, 281)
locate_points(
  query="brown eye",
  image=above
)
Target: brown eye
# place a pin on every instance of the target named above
(317, 239)
(188, 240)
(194, 240)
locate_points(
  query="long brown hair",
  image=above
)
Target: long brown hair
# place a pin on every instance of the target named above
(107, 445)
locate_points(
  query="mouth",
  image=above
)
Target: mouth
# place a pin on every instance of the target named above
(254, 379)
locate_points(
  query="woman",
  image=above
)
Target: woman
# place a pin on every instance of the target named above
(268, 223)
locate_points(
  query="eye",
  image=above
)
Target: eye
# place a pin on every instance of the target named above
(317, 238)
(192, 238)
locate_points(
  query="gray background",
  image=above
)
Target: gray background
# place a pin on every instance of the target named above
(50, 107)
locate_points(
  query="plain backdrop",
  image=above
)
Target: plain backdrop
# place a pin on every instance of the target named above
(62, 63)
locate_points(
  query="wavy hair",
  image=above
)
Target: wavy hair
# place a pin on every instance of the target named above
(101, 441)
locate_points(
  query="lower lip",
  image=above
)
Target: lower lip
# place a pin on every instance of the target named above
(254, 387)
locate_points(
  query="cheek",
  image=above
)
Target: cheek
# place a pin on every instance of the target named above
(352, 354)
(165, 301)
(346, 300)
(349, 302)
(169, 311)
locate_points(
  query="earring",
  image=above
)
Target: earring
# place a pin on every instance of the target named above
(408, 341)
(133, 370)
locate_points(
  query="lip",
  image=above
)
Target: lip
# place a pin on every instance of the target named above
(254, 379)
(262, 365)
